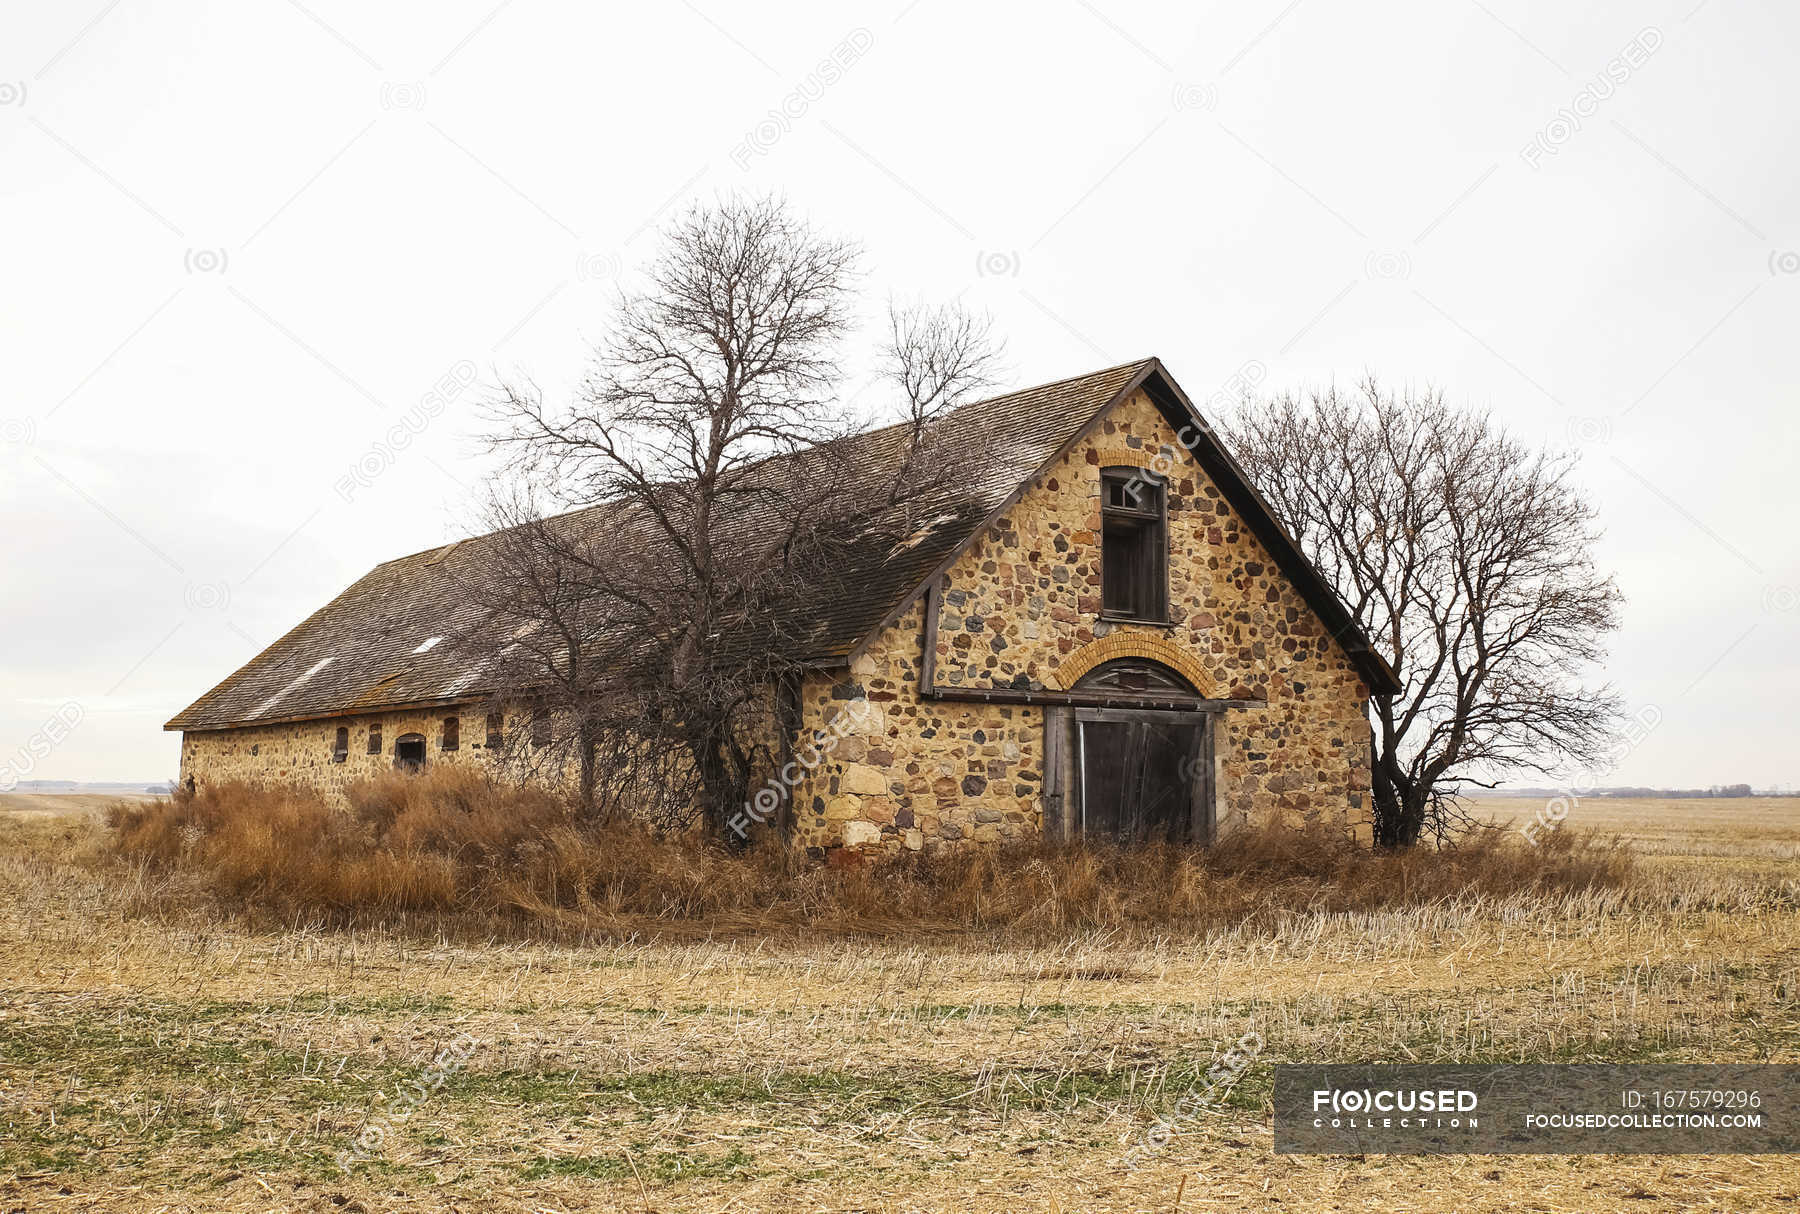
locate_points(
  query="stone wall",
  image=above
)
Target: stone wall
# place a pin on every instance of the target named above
(300, 752)
(1021, 608)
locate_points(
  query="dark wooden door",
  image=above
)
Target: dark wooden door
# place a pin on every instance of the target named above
(1144, 776)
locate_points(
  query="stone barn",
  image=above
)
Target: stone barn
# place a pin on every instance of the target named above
(1110, 636)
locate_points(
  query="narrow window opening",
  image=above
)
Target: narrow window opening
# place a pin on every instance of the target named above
(452, 738)
(540, 727)
(1134, 545)
(340, 746)
(374, 739)
(496, 730)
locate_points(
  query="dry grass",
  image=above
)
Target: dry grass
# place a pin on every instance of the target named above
(158, 1059)
(454, 851)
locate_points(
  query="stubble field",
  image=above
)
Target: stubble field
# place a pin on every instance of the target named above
(187, 1062)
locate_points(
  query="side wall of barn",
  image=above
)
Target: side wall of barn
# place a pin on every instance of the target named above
(301, 752)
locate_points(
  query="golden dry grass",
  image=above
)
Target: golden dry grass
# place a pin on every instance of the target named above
(455, 852)
(184, 1060)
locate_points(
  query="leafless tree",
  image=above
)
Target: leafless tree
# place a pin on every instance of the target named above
(706, 457)
(1467, 557)
(939, 357)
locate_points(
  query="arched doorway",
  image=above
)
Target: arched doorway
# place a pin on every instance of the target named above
(1141, 773)
(409, 752)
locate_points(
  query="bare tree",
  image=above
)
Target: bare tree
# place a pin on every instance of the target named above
(707, 453)
(1467, 557)
(555, 595)
(939, 357)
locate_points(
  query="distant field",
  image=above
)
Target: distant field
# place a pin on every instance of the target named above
(74, 804)
(176, 1060)
(1746, 827)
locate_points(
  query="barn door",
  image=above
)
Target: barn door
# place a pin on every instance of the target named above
(1144, 776)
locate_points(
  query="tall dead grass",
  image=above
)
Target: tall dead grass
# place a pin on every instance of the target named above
(455, 846)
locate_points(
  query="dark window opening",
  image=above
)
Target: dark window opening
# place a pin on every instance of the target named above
(340, 747)
(452, 738)
(540, 727)
(496, 730)
(409, 752)
(1134, 545)
(374, 739)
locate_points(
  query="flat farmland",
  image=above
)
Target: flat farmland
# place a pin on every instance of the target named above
(178, 1060)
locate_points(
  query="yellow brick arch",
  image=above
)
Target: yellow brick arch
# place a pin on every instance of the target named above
(1131, 645)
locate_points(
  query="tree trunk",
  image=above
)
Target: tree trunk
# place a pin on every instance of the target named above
(1399, 802)
(588, 744)
(722, 787)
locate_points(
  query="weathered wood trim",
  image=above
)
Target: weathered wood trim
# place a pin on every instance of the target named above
(928, 660)
(1081, 699)
(1057, 723)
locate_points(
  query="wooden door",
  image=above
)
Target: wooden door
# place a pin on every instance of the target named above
(1144, 776)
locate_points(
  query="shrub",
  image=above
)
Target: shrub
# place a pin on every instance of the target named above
(459, 844)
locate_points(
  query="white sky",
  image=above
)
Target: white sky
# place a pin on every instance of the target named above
(399, 190)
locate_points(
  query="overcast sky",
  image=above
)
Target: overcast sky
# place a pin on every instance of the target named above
(243, 241)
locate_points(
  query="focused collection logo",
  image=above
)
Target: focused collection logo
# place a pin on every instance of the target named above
(1394, 1108)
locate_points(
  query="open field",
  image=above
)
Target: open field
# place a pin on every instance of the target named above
(183, 1062)
(1738, 828)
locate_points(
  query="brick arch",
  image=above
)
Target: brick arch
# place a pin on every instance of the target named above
(1131, 645)
(1162, 460)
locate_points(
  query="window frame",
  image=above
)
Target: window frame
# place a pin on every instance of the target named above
(450, 733)
(496, 730)
(340, 745)
(375, 738)
(1156, 517)
(408, 741)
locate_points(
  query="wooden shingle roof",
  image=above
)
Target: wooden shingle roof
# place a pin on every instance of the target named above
(370, 649)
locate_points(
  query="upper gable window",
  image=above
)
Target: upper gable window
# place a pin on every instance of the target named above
(1134, 545)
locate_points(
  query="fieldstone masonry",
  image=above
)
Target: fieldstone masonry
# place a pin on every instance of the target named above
(1020, 609)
